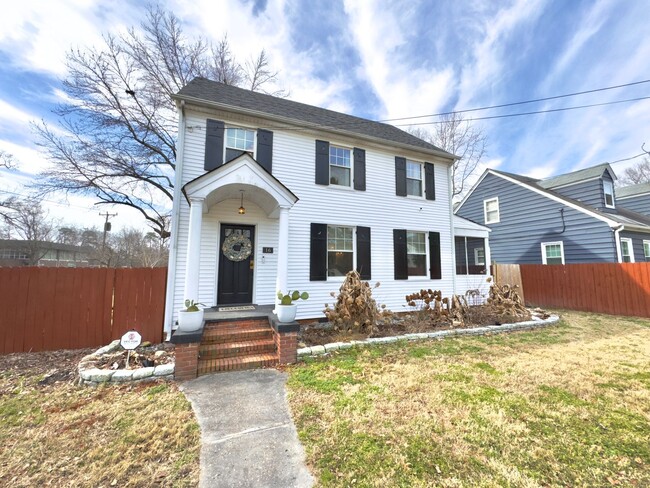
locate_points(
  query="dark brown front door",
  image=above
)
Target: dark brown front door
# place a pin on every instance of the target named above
(236, 252)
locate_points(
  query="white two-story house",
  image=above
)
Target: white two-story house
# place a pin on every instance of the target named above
(273, 195)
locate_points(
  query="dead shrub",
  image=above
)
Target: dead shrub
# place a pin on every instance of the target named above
(355, 310)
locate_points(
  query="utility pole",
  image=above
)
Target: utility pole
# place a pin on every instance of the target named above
(107, 228)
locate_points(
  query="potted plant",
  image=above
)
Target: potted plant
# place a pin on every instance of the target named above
(286, 309)
(191, 318)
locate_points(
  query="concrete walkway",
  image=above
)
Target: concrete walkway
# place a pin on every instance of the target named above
(247, 435)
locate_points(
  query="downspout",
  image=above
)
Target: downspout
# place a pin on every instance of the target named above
(176, 208)
(450, 186)
(617, 241)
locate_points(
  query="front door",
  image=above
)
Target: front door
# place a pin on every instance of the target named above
(236, 252)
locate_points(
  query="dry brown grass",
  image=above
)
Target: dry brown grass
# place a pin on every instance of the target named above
(563, 406)
(63, 435)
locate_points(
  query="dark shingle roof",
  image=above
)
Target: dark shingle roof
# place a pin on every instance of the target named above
(576, 176)
(239, 99)
(633, 190)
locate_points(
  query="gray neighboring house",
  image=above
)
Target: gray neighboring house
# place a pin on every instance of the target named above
(635, 198)
(570, 218)
(16, 252)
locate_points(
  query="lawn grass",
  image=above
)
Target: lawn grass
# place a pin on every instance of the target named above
(117, 435)
(568, 405)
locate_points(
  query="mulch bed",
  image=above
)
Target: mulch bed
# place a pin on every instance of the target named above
(54, 366)
(142, 357)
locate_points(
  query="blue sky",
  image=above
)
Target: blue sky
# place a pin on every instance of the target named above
(379, 60)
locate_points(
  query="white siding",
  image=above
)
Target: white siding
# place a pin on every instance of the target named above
(378, 208)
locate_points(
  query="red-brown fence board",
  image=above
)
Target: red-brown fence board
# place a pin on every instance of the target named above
(68, 308)
(613, 288)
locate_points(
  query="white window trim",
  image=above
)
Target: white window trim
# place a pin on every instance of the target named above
(629, 247)
(225, 140)
(646, 243)
(329, 168)
(427, 266)
(485, 212)
(605, 183)
(354, 251)
(544, 244)
(421, 195)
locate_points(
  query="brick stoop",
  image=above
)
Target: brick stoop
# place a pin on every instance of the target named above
(237, 344)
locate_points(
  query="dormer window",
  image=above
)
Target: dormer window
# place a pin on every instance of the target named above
(608, 188)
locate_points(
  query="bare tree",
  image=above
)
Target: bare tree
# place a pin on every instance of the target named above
(26, 220)
(119, 129)
(634, 175)
(457, 136)
(7, 160)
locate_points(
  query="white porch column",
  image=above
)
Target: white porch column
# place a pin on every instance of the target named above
(192, 263)
(283, 251)
(488, 255)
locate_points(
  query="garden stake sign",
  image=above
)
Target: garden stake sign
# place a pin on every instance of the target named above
(130, 341)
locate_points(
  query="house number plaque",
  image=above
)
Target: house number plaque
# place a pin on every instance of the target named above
(267, 250)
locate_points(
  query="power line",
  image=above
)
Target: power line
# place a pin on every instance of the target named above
(520, 103)
(534, 112)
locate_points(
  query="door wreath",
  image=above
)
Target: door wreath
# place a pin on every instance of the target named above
(237, 247)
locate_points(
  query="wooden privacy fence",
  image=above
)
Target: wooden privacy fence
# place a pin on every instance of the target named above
(613, 288)
(509, 274)
(45, 309)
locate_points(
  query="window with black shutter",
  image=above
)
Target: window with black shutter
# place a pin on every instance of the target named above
(214, 138)
(363, 253)
(318, 253)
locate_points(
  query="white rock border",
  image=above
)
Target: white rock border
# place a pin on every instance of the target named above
(536, 323)
(94, 376)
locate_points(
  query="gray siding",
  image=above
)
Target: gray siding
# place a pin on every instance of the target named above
(640, 204)
(527, 219)
(637, 244)
(588, 192)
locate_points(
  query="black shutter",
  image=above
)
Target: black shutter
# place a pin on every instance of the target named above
(213, 144)
(265, 149)
(399, 252)
(400, 177)
(318, 253)
(429, 181)
(359, 169)
(322, 163)
(363, 252)
(434, 256)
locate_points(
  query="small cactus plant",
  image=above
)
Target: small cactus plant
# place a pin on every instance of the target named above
(292, 296)
(192, 306)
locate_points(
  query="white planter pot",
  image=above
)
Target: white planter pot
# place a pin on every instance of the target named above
(286, 313)
(189, 321)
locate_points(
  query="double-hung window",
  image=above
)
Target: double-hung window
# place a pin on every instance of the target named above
(340, 166)
(491, 210)
(414, 178)
(553, 252)
(646, 250)
(470, 255)
(627, 253)
(340, 250)
(608, 189)
(238, 142)
(416, 253)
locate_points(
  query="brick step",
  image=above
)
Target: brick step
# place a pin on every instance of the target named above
(231, 349)
(250, 361)
(234, 334)
(237, 324)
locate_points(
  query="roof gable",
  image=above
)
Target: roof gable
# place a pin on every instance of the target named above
(247, 101)
(577, 176)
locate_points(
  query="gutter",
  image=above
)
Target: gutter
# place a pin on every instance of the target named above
(450, 187)
(176, 209)
(617, 241)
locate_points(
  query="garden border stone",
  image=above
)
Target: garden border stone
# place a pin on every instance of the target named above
(536, 323)
(90, 375)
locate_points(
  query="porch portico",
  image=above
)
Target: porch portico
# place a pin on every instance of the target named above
(261, 191)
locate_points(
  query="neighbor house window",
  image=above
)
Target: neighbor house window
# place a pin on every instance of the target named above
(12, 254)
(627, 253)
(470, 255)
(608, 188)
(416, 253)
(238, 142)
(414, 178)
(646, 250)
(491, 210)
(340, 250)
(552, 252)
(340, 166)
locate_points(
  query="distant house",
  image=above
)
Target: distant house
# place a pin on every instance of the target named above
(14, 252)
(570, 218)
(635, 198)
